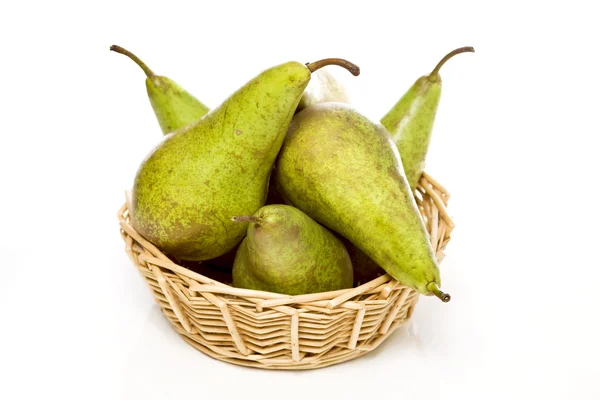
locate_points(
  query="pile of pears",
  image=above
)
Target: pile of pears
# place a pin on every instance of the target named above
(288, 187)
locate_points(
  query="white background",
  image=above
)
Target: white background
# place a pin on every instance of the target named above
(515, 141)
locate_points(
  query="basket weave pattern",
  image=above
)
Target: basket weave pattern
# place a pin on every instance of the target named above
(274, 331)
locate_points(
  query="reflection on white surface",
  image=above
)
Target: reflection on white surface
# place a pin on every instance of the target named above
(440, 346)
(162, 365)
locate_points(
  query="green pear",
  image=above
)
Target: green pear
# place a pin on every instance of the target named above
(411, 119)
(323, 88)
(345, 172)
(173, 106)
(287, 252)
(189, 186)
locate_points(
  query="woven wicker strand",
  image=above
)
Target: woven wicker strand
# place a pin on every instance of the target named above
(274, 331)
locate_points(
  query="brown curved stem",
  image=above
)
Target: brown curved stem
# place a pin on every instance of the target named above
(247, 218)
(432, 287)
(467, 49)
(353, 68)
(129, 54)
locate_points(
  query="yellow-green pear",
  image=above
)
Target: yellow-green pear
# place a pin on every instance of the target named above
(286, 252)
(188, 188)
(173, 106)
(411, 119)
(345, 172)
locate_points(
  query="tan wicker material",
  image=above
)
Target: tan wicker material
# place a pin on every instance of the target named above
(274, 331)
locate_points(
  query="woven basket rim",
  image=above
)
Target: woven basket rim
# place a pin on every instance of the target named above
(427, 185)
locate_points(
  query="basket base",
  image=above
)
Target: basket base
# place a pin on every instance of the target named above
(334, 356)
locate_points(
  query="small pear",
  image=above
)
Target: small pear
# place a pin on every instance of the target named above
(287, 252)
(189, 186)
(323, 88)
(173, 106)
(345, 172)
(411, 119)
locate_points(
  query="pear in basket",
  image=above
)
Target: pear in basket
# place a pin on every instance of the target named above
(411, 119)
(173, 106)
(287, 252)
(188, 188)
(323, 88)
(344, 171)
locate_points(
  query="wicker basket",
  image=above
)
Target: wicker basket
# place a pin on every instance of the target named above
(274, 331)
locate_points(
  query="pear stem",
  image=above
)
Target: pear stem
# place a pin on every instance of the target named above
(432, 287)
(448, 56)
(129, 54)
(353, 68)
(247, 218)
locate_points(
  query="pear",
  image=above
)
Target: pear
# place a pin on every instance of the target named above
(411, 119)
(189, 186)
(323, 88)
(345, 172)
(173, 106)
(287, 252)
(365, 269)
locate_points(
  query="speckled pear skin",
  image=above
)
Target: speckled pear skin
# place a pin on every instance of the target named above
(323, 88)
(345, 172)
(410, 122)
(289, 253)
(189, 186)
(173, 106)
